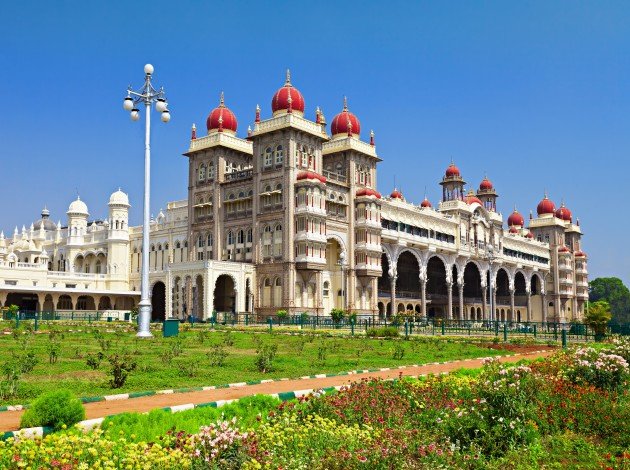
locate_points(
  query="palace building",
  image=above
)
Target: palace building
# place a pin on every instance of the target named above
(290, 218)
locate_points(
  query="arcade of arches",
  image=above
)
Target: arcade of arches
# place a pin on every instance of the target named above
(462, 296)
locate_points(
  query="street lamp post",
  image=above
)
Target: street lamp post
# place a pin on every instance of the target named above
(490, 257)
(146, 95)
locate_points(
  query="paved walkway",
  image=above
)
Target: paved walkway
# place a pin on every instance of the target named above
(10, 420)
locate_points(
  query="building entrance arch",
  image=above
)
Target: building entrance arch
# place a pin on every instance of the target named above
(224, 294)
(158, 302)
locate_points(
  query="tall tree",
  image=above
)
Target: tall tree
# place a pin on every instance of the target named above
(613, 291)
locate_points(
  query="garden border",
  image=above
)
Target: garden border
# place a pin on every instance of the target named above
(148, 393)
(90, 424)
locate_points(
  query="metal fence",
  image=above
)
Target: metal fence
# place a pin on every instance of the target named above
(573, 332)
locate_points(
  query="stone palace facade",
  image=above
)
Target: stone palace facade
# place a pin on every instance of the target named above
(290, 218)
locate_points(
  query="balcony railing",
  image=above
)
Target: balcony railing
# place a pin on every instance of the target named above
(239, 175)
(339, 177)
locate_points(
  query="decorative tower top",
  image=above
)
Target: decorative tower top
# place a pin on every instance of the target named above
(222, 119)
(345, 123)
(193, 133)
(516, 219)
(546, 207)
(287, 99)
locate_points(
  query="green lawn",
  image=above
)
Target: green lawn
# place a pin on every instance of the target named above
(159, 366)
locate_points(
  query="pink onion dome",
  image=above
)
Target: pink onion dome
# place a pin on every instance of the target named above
(471, 197)
(452, 171)
(486, 185)
(513, 229)
(529, 235)
(345, 123)
(426, 203)
(396, 194)
(546, 207)
(367, 192)
(222, 119)
(564, 213)
(287, 99)
(310, 175)
(563, 249)
(580, 254)
(515, 219)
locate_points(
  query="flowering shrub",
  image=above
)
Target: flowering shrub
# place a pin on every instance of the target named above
(219, 445)
(599, 368)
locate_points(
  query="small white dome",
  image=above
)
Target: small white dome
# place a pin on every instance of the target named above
(119, 198)
(78, 207)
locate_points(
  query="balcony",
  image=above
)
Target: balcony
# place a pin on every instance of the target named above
(239, 175)
(337, 177)
(308, 209)
(564, 267)
(363, 222)
(565, 281)
(238, 214)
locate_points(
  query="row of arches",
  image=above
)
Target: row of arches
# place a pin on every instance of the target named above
(442, 279)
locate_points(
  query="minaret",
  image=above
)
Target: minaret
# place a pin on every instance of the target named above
(118, 235)
(452, 184)
(3, 247)
(77, 221)
(488, 195)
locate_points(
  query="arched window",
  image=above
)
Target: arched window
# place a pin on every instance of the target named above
(98, 267)
(178, 245)
(241, 195)
(249, 236)
(278, 282)
(166, 247)
(267, 282)
(210, 171)
(200, 241)
(279, 187)
(268, 157)
(209, 239)
(231, 197)
(240, 237)
(159, 247)
(230, 238)
(326, 289)
(202, 172)
(279, 155)
(250, 193)
(152, 247)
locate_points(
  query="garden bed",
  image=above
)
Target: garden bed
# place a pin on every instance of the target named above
(571, 410)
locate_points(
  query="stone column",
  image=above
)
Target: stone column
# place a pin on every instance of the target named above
(423, 294)
(463, 315)
(305, 294)
(493, 314)
(529, 305)
(55, 299)
(392, 284)
(449, 313)
(41, 298)
(3, 298)
(512, 312)
(484, 300)
(317, 296)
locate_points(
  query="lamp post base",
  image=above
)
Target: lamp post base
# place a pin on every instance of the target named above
(144, 318)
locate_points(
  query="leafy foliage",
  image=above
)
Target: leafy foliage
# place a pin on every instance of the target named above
(613, 291)
(55, 409)
(120, 368)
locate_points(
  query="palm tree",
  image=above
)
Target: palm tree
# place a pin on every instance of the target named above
(598, 317)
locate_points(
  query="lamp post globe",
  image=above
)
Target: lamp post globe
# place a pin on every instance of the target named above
(166, 116)
(148, 69)
(135, 114)
(160, 105)
(128, 103)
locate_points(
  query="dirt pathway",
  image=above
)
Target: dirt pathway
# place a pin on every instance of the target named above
(10, 420)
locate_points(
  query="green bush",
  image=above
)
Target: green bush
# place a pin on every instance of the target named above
(384, 332)
(54, 409)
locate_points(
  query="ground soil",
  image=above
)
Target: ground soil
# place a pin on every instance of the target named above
(516, 348)
(10, 420)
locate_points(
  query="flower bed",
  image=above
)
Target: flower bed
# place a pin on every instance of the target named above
(559, 413)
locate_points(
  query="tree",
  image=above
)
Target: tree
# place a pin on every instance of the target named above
(598, 317)
(613, 291)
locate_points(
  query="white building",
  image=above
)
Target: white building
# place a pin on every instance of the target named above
(290, 218)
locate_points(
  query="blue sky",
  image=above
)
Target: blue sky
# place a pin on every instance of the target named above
(535, 94)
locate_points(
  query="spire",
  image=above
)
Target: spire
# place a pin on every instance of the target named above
(317, 115)
(345, 103)
(257, 113)
(322, 118)
(372, 138)
(45, 212)
(193, 135)
(288, 80)
(221, 101)
(15, 234)
(249, 131)
(531, 214)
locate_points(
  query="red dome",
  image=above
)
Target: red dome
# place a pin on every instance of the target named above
(546, 206)
(396, 194)
(513, 229)
(221, 119)
(529, 235)
(515, 219)
(426, 203)
(310, 175)
(471, 197)
(486, 185)
(368, 192)
(452, 170)
(580, 254)
(563, 249)
(564, 213)
(281, 102)
(345, 122)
